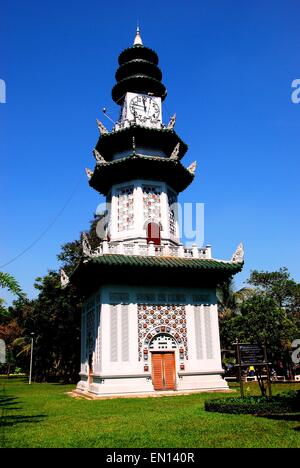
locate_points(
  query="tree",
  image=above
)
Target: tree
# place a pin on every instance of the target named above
(54, 316)
(9, 282)
(229, 300)
(275, 284)
(9, 327)
(268, 311)
(71, 252)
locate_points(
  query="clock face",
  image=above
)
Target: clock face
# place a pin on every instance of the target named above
(144, 108)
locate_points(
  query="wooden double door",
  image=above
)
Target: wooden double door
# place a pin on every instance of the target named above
(163, 371)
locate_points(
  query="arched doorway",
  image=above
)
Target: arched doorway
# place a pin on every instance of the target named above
(162, 349)
(153, 233)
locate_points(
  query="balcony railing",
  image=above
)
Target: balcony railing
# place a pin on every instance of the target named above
(135, 248)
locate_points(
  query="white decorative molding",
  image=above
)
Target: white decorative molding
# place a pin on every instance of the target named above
(198, 331)
(99, 158)
(238, 255)
(208, 332)
(172, 122)
(89, 173)
(86, 246)
(64, 279)
(192, 167)
(114, 333)
(102, 129)
(175, 152)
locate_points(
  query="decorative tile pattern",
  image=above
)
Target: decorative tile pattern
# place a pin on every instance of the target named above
(125, 208)
(154, 319)
(151, 200)
(172, 200)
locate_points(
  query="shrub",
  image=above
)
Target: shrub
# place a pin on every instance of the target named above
(285, 403)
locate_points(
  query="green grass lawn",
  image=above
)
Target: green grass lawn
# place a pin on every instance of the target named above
(42, 415)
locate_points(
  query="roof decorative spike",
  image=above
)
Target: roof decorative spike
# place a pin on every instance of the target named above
(86, 246)
(172, 122)
(64, 279)
(192, 167)
(102, 129)
(175, 152)
(89, 173)
(138, 39)
(99, 158)
(238, 256)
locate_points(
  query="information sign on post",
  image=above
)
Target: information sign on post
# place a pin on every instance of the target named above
(253, 355)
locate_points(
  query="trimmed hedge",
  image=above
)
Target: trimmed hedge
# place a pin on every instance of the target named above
(289, 403)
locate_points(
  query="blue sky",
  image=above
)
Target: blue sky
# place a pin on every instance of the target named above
(228, 67)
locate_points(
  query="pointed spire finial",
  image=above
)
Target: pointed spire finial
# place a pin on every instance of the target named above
(138, 39)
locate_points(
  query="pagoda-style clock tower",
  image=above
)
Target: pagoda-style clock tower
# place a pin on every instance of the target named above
(150, 318)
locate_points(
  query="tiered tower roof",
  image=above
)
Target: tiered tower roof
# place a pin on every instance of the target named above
(138, 72)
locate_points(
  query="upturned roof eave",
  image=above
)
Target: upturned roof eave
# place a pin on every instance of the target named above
(104, 173)
(108, 139)
(92, 272)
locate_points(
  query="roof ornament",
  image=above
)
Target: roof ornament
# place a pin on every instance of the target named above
(192, 167)
(99, 158)
(86, 246)
(89, 173)
(133, 145)
(64, 279)
(102, 129)
(172, 122)
(175, 152)
(238, 256)
(138, 39)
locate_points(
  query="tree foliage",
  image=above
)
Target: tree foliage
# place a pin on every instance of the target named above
(267, 312)
(260, 320)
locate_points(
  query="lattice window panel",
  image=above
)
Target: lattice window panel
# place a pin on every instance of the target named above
(125, 208)
(83, 341)
(153, 319)
(201, 298)
(163, 343)
(118, 298)
(90, 330)
(172, 199)
(146, 297)
(151, 202)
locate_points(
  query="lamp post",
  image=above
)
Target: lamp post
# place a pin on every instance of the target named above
(31, 354)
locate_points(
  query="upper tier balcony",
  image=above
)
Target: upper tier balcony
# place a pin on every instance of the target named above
(139, 249)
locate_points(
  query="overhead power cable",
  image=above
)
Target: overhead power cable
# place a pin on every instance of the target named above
(47, 228)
